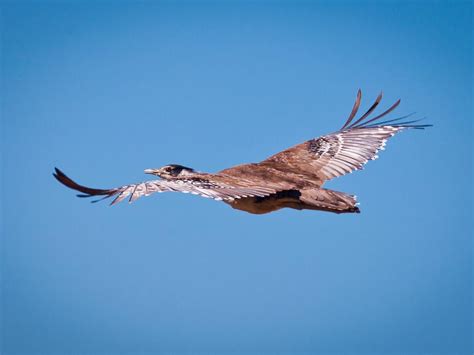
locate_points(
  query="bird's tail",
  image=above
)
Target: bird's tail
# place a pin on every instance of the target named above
(329, 200)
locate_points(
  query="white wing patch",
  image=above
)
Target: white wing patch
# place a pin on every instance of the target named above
(216, 191)
(343, 152)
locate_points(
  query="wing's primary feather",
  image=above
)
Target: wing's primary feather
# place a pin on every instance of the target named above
(87, 191)
(346, 150)
(355, 108)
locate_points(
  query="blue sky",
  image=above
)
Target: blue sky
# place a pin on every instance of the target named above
(104, 90)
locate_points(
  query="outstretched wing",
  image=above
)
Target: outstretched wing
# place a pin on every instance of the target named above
(346, 150)
(210, 188)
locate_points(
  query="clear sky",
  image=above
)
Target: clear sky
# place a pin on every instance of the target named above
(106, 89)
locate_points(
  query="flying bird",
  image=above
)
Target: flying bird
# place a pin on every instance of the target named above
(292, 178)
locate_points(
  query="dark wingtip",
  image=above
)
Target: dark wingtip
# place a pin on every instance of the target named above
(86, 191)
(369, 111)
(366, 122)
(56, 173)
(355, 108)
(361, 124)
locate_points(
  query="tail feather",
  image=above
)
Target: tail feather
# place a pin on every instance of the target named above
(329, 200)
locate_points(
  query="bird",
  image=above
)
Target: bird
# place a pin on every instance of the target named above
(292, 178)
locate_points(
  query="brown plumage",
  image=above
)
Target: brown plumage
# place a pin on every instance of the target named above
(292, 178)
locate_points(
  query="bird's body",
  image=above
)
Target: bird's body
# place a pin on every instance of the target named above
(292, 178)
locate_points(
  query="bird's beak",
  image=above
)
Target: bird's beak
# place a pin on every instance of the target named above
(150, 171)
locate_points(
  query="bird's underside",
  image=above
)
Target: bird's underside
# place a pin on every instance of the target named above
(292, 178)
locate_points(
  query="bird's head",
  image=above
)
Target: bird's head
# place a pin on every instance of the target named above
(170, 171)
